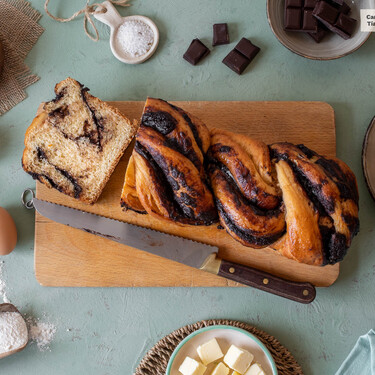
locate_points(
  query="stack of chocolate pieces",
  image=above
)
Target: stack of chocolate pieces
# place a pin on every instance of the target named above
(317, 17)
(241, 56)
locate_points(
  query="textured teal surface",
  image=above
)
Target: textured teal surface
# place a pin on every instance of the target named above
(107, 331)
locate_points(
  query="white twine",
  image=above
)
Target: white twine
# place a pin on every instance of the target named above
(88, 10)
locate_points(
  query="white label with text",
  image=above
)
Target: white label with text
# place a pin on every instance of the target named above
(367, 20)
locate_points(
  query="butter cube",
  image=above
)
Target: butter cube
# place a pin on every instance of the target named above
(220, 369)
(209, 352)
(192, 367)
(235, 373)
(238, 359)
(255, 369)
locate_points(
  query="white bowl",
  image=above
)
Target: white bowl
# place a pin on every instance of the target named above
(226, 336)
(331, 47)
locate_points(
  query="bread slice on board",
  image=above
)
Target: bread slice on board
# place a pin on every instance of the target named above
(75, 143)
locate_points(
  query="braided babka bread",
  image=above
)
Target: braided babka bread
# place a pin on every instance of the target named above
(165, 175)
(311, 214)
(287, 197)
(75, 143)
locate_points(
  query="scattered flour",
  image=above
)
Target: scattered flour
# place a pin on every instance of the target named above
(3, 286)
(135, 38)
(41, 333)
(13, 331)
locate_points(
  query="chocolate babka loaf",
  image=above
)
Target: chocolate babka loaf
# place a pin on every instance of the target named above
(75, 143)
(165, 176)
(283, 196)
(287, 197)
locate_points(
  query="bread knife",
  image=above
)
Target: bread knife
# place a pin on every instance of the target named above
(178, 249)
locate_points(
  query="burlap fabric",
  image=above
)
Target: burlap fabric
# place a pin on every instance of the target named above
(156, 360)
(19, 31)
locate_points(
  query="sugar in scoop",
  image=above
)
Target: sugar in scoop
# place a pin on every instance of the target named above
(134, 38)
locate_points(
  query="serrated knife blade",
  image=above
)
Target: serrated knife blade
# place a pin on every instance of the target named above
(178, 249)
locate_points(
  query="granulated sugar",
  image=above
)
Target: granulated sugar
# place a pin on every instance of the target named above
(135, 38)
(41, 333)
(13, 331)
(3, 293)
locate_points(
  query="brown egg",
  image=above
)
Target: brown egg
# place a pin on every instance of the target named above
(8, 232)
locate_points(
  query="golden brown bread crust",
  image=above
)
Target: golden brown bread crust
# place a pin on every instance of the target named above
(166, 177)
(330, 188)
(247, 198)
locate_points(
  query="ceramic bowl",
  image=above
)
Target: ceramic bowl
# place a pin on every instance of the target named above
(226, 336)
(331, 47)
(368, 158)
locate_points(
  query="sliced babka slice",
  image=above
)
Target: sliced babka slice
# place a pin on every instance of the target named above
(75, 143)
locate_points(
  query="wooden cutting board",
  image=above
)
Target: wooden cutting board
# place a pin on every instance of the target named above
(69, 257)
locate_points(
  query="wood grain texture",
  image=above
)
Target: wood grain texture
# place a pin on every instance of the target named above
(69, 257)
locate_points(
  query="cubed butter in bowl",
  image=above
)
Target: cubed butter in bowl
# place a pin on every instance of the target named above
(255, 369)
(192, 367)
(220, 369)
(209, 351)
(211, 347)
(238, 359)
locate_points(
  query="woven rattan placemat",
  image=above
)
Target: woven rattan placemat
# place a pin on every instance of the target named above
(156, 360)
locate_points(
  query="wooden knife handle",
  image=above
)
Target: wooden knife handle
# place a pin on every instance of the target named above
(296, 291)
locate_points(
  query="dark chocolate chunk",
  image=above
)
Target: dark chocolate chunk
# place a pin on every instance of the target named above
(293, 3)
(326, 13)
(196, 52)
(310, 23)
(334, 19)
(246, 48)
(310, 4)
(298, 16)
(320, 34)
(221, 34)
(344, 8)
(346, 24)
(236, 61)
(293, 18)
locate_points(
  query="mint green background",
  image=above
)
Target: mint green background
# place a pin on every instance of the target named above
(111, 329)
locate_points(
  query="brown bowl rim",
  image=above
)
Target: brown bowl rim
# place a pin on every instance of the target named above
(364, 148)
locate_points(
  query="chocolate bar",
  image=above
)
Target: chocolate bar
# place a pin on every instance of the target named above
(221, 34)
(334, 19)
(299, 16)
(241, 56)
(196, 52)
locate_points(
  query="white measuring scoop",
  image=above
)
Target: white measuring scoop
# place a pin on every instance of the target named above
(114, 20)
